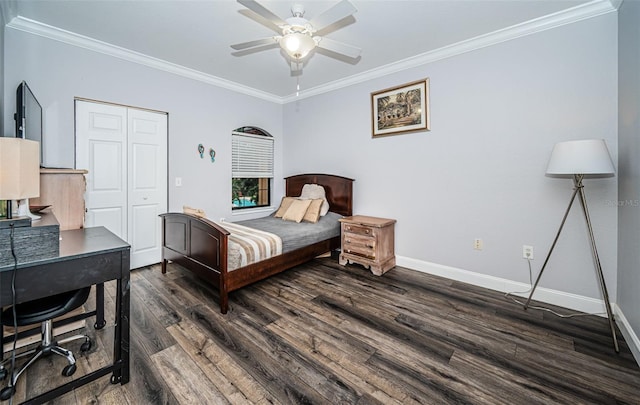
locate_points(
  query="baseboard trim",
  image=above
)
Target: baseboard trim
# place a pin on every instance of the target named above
(630, 336)
(547, 295)
(563, 299)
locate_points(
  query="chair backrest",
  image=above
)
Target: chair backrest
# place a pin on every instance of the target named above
(42, 309)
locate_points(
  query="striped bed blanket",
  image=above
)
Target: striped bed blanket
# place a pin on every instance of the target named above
(247, 245)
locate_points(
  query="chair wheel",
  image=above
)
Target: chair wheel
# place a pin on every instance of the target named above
(69, 370)
(7, 393)
(3, 373)
(86, 346)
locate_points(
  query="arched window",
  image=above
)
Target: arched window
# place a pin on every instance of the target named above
(252, 168)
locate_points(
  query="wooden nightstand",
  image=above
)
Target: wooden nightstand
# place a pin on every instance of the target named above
(368, 241)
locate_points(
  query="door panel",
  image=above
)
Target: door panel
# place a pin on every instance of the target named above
(144, 217)
(111, 218)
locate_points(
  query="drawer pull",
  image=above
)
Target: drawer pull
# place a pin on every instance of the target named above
(347, 240)
(366, 231)
(370, 246)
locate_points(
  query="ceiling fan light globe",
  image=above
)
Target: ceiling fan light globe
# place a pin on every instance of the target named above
(297, 45)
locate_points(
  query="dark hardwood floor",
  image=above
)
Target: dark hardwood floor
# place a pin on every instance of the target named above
(323, 333)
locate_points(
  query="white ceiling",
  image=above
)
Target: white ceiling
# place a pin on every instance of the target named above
(195, 36)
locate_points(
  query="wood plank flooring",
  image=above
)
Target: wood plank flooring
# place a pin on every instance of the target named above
(326, 334)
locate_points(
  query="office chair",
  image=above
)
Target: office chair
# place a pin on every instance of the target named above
(43, 311)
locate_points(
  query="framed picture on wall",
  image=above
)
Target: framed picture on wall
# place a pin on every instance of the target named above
(401, 109)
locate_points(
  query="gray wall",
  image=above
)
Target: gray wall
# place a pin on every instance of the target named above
(629, 164)
(480, 172)
(2, 99)
(198, 113)
(3, 21)
(7, 12)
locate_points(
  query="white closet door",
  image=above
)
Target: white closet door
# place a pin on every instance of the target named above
(101, 148)
(126, 157)
(147, 179)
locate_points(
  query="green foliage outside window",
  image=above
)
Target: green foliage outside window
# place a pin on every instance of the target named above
(246, 193)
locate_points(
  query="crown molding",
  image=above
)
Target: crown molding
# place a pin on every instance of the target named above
(47, 31)
(578, 13)
(571, 15)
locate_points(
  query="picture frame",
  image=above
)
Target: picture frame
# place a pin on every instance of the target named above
(401, 109)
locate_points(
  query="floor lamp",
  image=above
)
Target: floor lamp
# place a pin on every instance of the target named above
(578, 159)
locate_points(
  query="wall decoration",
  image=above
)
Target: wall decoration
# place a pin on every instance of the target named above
(212, 153)
(201, 150)
(401, 109)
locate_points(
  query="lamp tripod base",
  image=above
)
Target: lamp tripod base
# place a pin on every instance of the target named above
(579, 189)
(23, 210)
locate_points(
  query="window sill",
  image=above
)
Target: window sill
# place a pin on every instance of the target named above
(250, 211)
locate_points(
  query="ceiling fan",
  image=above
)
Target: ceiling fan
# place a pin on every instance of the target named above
(297, 34)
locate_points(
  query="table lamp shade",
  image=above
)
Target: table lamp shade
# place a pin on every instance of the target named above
(589, 156)
(19, 168)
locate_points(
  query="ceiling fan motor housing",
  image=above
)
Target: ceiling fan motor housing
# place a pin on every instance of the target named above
(297, 24)
(297, 10)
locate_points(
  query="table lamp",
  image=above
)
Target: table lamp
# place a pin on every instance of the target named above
(19, 175)
(577, 159)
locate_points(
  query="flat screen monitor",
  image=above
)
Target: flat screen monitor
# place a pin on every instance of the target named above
(28, 116)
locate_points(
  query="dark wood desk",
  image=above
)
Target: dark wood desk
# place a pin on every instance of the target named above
(87, 256)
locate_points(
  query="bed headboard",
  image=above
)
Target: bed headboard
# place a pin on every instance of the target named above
(339, 190)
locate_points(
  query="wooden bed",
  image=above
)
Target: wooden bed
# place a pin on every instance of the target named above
(200, 245)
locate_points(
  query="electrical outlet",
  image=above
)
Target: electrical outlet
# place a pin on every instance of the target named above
(178, 181)
(477, 244)
(527, 252)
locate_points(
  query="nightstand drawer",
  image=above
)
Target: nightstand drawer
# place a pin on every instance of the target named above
(357, 245)
(357, 229)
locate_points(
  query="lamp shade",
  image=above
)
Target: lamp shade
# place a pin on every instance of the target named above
(589, 156)
(19, 168)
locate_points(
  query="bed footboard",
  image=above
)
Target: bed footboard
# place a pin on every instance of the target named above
(198, 245)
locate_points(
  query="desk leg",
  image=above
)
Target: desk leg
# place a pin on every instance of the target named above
(121, 332)
(100, 321)
(1, 338)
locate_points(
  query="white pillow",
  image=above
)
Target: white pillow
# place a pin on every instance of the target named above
(313, 192)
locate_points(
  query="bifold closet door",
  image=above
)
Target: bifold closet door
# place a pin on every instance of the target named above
(125, 153)
(147, 185)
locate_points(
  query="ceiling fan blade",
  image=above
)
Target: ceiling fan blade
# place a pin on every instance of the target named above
(253, 44)
(339, 47)
(262, 11)
(336, 13)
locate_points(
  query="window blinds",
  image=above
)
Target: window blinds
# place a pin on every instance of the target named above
(252, 156)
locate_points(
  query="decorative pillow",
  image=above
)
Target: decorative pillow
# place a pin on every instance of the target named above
(313, 212)
(284, 206)
(314, 191)
(296, 210)
(193, 211)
